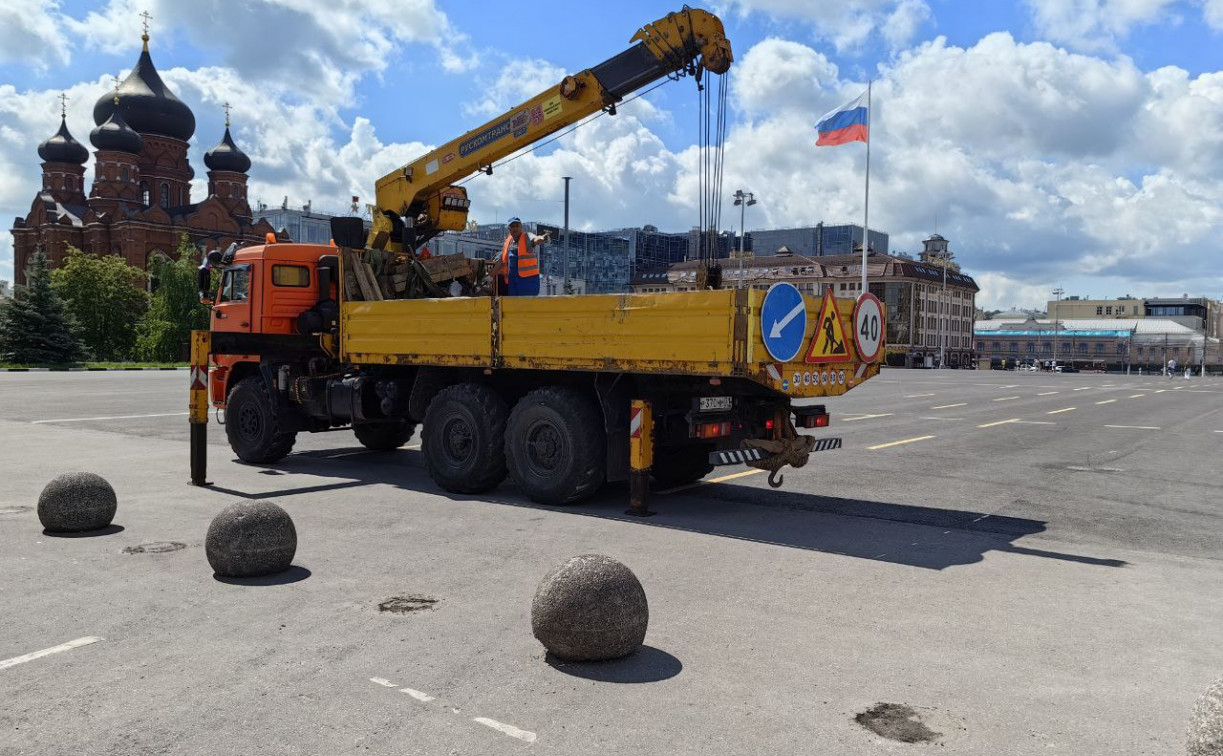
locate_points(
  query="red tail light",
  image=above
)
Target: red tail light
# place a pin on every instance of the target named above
(768, 425)
(814, 421)
(712, 430)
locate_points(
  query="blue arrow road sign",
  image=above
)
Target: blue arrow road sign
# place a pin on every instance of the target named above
(783, 321)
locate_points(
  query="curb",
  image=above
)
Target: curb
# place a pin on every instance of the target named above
(85, 370)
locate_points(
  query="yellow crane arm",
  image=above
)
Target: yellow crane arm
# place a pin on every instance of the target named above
(420, 199)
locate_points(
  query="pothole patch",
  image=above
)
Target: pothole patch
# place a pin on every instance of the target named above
(13, 510)
(407, 604)
(897, 722)
(156, 547)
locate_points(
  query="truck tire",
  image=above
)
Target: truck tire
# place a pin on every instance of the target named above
(384, 436)
(555, 446)
(464, 438)
(678, 466)
(252, 426)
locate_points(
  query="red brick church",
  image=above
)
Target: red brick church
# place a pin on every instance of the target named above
(140, 202)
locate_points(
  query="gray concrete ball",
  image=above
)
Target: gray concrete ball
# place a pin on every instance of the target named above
(591, 608)
(251, 539)
(1206, 723)
(76, 502)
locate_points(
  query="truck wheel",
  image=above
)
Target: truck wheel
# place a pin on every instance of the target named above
(464, 438)
(677, 466)
(555, 446)
(252, 426)
(384, 436)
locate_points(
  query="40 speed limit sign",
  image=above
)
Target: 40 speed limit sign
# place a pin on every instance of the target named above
(868, 327)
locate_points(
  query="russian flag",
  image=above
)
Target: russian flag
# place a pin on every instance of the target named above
(848, 123)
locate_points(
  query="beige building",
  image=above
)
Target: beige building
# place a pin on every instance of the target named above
(925, 317)
(1201, 314)
(1076, 308)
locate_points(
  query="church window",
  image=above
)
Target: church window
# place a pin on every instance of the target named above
(165, 196)
(144, 193)
(124, 174)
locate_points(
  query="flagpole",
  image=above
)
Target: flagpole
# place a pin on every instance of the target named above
(866, 212)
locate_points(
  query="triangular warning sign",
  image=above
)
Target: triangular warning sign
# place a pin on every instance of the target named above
(828, 344)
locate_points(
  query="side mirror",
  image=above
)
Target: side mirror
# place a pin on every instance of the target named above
(203, 279)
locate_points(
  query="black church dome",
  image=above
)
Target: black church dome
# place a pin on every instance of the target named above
(62, 148)
(147, 104)
(116, 135)
(227, 157)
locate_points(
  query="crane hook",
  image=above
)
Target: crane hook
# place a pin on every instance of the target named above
(780, 479)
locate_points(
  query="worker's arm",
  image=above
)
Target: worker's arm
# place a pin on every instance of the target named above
(423, 193)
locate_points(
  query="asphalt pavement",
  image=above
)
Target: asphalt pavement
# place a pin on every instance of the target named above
(1027, 561)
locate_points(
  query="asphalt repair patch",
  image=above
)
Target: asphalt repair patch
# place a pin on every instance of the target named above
(156, 547)
(407, 604)
(897, 722)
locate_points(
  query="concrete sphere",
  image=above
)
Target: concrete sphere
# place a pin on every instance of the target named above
(591, 608)
(76, 502)
(1206, 724)
(251, 539)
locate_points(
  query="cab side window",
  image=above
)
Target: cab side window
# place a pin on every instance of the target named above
(235, 287)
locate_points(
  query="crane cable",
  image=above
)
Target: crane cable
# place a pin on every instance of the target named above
(711, 135)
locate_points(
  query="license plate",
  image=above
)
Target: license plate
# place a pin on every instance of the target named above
(714, 403)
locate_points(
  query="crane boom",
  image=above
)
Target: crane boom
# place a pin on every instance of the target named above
(418, 200)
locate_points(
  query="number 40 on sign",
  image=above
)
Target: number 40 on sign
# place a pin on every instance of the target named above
(868, 327)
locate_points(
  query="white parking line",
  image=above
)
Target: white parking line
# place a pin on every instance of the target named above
(949, 406)
(898, 443)
(1137, 396)
(1048, 393)
(383, 682)
(917, 396)
(48, 651)
(1085, 388)
(1000, 422)
(113, 417)
(1005, 398)
(1058, 412)
(511, 730)
(864, 417)
(1136, 427)
(1107, 401)
(422, 697)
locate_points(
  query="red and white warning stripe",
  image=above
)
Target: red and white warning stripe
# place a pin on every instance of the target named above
(861, 370)
(774, 371)
(634, 426)
(199, 379)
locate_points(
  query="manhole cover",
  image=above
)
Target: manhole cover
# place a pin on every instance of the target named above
(14, 510)
(156, 547)
(896, 722)
(407, 604)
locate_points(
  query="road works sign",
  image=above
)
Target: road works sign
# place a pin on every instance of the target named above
(868, 327)
(828, 344)
(783, 321)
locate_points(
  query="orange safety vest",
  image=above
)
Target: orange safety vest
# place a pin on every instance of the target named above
(528, 263)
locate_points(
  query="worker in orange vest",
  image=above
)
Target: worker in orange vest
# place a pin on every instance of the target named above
(517, 270)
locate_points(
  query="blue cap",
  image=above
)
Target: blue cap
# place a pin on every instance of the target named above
(515, 219)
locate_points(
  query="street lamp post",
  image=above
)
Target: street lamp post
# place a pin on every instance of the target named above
(944, 304)
(1057, 293)
(742, 200)
(565, 241)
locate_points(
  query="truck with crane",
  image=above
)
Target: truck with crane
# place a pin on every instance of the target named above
(559, 393)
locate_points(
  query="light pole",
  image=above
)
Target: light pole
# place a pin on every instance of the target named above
(1057, 293)
(565, 242)
(944, 303)
(743, 200)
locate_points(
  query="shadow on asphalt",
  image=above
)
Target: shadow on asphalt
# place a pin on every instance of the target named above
(294, 574)
(926, 537)
(108, 530)
(646, 665)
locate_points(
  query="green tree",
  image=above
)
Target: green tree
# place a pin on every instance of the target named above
(106, 298)
(163, 334)
(35, 327)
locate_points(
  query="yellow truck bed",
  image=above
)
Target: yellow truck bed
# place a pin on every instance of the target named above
(707, 333)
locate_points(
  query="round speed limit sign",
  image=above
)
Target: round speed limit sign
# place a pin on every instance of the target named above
(868, 327)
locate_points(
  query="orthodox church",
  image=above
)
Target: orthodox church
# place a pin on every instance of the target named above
(140, 202)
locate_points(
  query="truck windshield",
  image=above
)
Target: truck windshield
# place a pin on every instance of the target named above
(235, 287)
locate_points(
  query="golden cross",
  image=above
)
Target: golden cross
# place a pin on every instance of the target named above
(63, 99)
(145, 15)
(227, 115)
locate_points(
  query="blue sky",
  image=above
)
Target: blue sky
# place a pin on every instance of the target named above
(1059, 142)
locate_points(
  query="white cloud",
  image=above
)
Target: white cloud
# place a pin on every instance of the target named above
(31, 32)
(319, 47)
(1099, 25)
(848, 24)
(778, 74)
(1001, 292)
(517, 80)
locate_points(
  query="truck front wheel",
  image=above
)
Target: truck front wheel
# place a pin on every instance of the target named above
(464, 438)
(555, 446)
(252, 426)
(384, 436)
